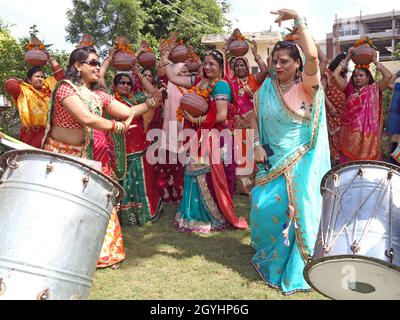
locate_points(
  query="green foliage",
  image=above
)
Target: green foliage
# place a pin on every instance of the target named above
(396, 53)
(145, 19)
(12, 64)
(104, 20)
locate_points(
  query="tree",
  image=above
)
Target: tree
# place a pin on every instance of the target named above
(191, 18)
(145, 19)
(12, 64)
(104, 20)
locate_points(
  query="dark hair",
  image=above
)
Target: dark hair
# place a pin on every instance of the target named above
(149, 69)
(78, 55)
(367, 72)
(118, 77)
(218, 57)
(292, 49)
(32, 71)
(335, 62)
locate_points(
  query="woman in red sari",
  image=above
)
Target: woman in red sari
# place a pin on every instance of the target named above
(360, 134)
(76, 126)
(138, 178)
(207, 200)
(334, 102)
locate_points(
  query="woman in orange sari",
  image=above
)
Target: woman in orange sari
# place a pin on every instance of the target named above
(360, 134)
(32, 98)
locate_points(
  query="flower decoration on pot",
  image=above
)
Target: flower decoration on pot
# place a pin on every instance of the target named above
(124, 56)
(363, 52)
(87, 41)
(35, 55)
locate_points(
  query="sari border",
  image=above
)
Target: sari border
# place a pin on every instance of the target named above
(301, 243)
(291, 160)
(207, 200)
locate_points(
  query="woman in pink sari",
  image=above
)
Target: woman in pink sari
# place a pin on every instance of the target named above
(169, 170)
(360, 133)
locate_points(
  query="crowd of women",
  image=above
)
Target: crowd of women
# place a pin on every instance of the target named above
(294, 108)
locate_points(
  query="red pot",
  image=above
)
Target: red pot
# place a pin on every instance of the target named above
(363, 54)
(36, 58)
(123, 61)
(238, 48)
(179, 53)
(147, 59)
(194, 104)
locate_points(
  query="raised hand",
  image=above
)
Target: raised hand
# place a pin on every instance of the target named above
(285, 14)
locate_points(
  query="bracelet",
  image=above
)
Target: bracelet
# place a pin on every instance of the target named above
(109, 59)
(257, 58)
(257, 144)
(167, 63)
(112, 125)
(141, 77)
(152, 103)
(299, 21)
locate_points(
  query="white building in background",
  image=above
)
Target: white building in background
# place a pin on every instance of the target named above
(265, 42)
(384, 28)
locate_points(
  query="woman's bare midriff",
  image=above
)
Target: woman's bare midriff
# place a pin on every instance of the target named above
(75, 137)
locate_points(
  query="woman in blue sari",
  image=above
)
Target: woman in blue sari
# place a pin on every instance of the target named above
(286, 202)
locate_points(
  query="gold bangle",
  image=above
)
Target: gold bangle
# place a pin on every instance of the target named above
(109, 59)
(167, 63)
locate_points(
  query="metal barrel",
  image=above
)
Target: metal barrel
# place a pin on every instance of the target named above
(54, 213)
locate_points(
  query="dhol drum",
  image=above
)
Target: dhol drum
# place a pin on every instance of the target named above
(54, 213)
(357, 252)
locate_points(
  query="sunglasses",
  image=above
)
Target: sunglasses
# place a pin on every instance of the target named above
(125, 82)
(92, 63)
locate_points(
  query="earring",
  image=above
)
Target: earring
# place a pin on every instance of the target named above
(298, 73)
(79, 73)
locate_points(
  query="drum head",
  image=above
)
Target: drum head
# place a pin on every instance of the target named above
(354, 278)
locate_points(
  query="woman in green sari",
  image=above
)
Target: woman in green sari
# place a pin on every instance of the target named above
(142, 201)
(286, 202)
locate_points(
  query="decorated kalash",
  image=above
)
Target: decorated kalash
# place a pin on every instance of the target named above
(62, 205)
(357, 252)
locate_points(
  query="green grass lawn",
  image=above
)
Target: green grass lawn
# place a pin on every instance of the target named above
(162, 263)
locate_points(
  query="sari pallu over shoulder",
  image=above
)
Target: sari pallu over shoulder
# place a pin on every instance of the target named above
(91, 101)
(301, 155)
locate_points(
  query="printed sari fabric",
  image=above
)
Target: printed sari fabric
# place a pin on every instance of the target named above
(170, 170)
(207, 203)
(141, 202)
(282, 241)
(360, 134)
(96, 147)
(337, 99)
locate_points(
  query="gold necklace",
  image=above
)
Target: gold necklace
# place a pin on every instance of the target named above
(286, 87)
(242, 84)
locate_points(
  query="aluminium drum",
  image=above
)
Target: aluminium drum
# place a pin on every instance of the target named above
(357, 252)
(54, 212)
